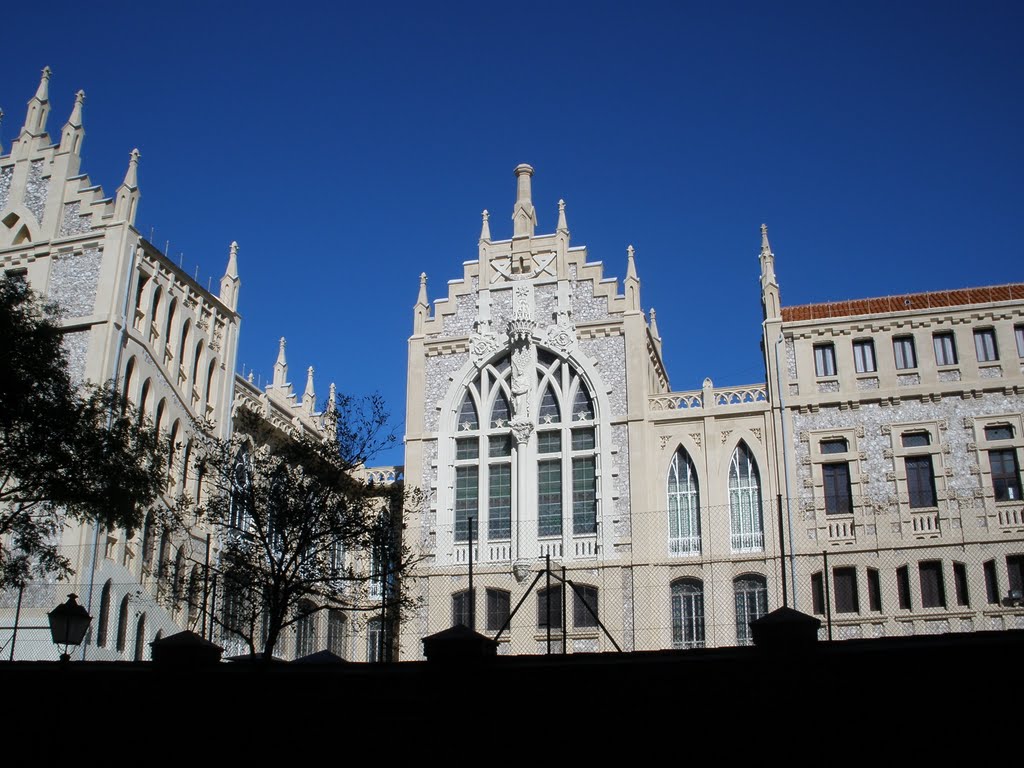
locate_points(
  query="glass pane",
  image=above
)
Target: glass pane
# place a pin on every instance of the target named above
(549, 442)
(549, 411)
(499, 513)
(466, 489)
(583, 439)
(467, 448)
(467, 415)
(549, 498)
(500, 413)
(499, 445)
(834, 446)
(582, 407)
(584, 496)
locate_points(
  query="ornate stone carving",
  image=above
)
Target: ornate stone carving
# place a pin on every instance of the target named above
(521, 430)
(561, 337)
(664, 441)
(482, 346)
(725, 435)
(696, 438)
(757, 433)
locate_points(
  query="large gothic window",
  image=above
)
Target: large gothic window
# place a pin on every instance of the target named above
(745, 502)
(683, 506)
(687, 613)
(559, 458)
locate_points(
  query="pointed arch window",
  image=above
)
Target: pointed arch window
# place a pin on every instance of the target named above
(683, 506)
(104, 622)
(745, 502)
(751, 593)
(687, 613)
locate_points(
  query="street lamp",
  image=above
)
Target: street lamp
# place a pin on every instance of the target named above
(69, 622)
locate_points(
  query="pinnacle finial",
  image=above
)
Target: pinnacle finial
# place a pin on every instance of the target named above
(131, 176)
(654, 324)
(1, 123)
(332, 399)
(765, 248)
(309, 396)
(43, 91)
(524, 215)
(421, 300)
(76, 111)
(281, 366)
(562, 226)
(39, 106)
(630, 263)
(485, 227)
(232, 270)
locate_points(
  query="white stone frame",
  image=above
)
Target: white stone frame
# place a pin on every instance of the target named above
(525, 542)
(852, 459)
(983, 445)
(925, 521)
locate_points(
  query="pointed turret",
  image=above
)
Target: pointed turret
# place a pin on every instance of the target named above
(562, 226)
(769, 285)
(632, 282)
(485, 227)
(281, 366)
(654, 324)
(309, 396)
(128, 193)
(73, 133)
(524, 216)
(229, 284)
(422, 309)
(38, 107)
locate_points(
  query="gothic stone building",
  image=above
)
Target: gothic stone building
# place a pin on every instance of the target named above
(133, 316)
(872, 477)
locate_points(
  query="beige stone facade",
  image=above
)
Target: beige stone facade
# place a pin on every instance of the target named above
(539, 407)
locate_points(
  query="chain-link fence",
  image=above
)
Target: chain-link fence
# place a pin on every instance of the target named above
(681, 578)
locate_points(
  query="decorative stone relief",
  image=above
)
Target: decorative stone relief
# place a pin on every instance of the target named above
(791, 359)
(756, 431)
(561, 337)
(37, 189)
(696, 438)
(725, 435)
(74, 279)
(73, 222)
(664, 441)
(437, 379)
(609, 352)
(992, 372)
(483, 346)
(6, 174)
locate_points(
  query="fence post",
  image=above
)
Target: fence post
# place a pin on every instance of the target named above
(472, 598)
(17, 619)
(782, 555)
(565, 601)
(547, 598)
(828, 592)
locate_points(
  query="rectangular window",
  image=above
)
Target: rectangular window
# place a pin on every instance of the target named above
(915, 439)
(466, 489)
(838, 496)
(462, 609)
(933, 589)
(549, 442)
(499, 506)
(817, 594)
(991, 582)
(824, 360)
(960, 584)
(874, 590)
(584, 495)
(864, 356)
(549, 599)
(499, 445)
(549, 498)
(845, 582)
(498, 604)
(1015, 572)
(1018, 332)
(903, 587)
(920, 482)
(583, 439)
(1005, 474)
(945, 348)
(467, 448)
(985, 345)
(903, 351)
(999, 432)
(834, 446)
(581, 617)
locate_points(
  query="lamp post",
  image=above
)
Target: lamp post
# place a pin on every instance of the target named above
(69, 622)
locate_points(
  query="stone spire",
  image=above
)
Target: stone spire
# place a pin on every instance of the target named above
(422, 309)
(524, 216)
(128, 193)
(309, 396)
(281, 366)
(485, 227)
(1, 133)
(38, 107)
(562, 226)
(770, 298)
(632, 282)
(230, 283)
(332, 399)
(654, 324)
(73, 133)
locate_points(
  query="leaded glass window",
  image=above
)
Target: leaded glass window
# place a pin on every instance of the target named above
(549, 498)
(584, 495)
(745, 502)
(683, 506)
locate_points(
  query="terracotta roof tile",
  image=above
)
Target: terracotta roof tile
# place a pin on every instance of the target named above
(905, 302)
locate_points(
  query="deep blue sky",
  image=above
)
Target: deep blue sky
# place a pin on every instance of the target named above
(348, 148)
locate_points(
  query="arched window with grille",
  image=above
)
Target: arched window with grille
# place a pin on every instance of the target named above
(745, 502)
(751, 593)
(687, 613)
(683, 506)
